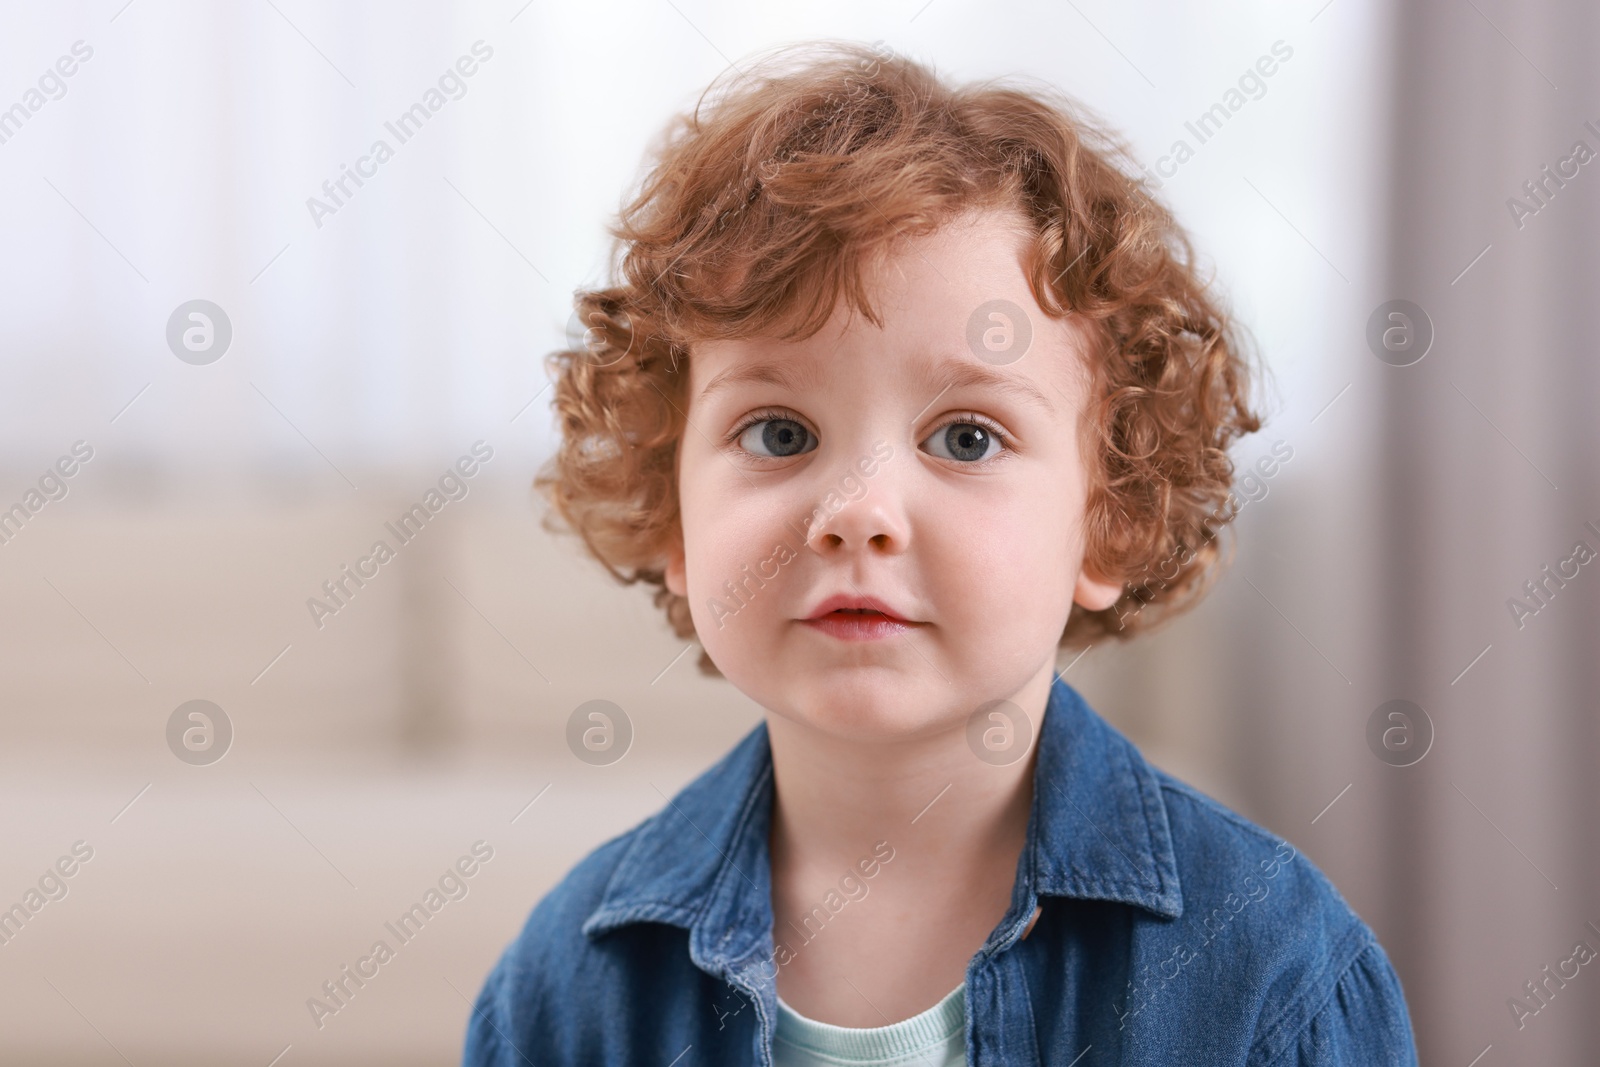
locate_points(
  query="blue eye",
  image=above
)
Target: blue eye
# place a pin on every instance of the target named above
(967, 442)
(776, 438)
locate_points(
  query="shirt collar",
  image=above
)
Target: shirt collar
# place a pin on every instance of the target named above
(1098, 830)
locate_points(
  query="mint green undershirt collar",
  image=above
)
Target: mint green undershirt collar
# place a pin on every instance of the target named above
(875, 1044)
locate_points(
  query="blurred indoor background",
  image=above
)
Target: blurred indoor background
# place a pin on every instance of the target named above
(1422, 152)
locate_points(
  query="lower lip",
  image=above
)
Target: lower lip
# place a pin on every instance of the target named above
(849, 626)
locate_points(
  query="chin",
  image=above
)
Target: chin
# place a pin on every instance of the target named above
(866, 704)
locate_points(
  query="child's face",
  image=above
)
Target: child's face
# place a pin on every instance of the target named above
(960, 508)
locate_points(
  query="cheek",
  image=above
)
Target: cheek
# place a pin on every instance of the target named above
(1003, 567)
(733, 538)
(722, 545)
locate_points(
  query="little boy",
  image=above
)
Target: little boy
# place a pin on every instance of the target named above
(905, 390)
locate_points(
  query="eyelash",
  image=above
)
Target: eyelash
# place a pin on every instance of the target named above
(964, 417)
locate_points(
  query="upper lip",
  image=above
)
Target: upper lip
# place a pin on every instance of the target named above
(841, 602)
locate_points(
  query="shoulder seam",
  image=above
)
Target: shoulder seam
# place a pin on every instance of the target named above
(1170, 784)
(1357, 942)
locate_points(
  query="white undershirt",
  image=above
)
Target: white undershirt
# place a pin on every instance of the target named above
(934, 1038)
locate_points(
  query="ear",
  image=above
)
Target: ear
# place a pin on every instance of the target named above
(1094, 594)
(675, 569)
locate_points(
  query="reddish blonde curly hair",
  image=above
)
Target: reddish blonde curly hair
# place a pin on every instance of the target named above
(761, 210)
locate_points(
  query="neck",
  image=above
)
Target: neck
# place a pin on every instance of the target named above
(944, 811)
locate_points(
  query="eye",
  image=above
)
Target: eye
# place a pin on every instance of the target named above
(965, 441)
(774, 437)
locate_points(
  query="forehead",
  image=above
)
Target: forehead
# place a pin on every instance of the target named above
(956, 303)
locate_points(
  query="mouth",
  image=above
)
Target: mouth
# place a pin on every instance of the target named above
(858, 619)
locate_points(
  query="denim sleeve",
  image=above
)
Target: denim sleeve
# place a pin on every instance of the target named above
(488, 1043)
(1364, 1021)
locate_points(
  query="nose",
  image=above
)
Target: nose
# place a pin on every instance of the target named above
(856, 514)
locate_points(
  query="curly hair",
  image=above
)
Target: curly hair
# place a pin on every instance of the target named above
(762, 208)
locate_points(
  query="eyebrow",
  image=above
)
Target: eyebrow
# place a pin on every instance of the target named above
(957, 373)
(791, 375)
(951, 374)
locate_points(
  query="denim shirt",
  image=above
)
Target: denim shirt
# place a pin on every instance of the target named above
(1171, 930)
